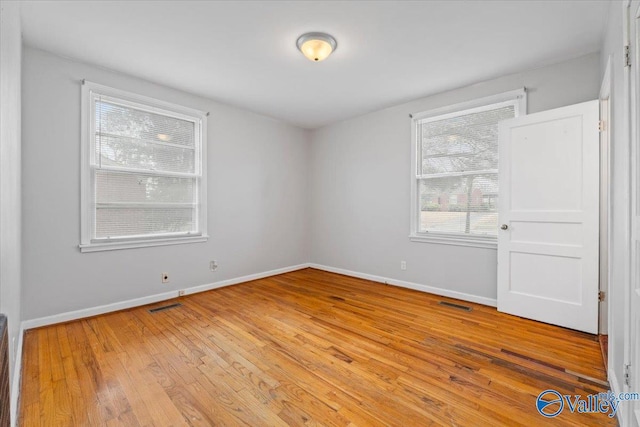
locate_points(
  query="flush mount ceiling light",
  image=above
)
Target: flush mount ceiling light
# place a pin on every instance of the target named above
(316, 46)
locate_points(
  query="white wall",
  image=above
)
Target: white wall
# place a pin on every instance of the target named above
(10, 62)
(360, 182)
(619, 192)
(257, 195)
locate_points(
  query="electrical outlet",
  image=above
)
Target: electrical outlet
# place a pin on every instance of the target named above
(213, 265)
(403, 265)
(181, 293)
(165, 277)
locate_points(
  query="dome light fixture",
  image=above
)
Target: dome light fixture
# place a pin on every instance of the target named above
(316, 46)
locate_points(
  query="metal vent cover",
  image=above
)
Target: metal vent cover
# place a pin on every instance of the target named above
(453, 305)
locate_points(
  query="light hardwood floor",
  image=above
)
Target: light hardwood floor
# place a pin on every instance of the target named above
(305, 348)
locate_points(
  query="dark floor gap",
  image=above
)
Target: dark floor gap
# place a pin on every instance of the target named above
(452, 305)
(164, 307)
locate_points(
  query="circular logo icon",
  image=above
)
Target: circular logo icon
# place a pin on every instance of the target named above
(549, 403)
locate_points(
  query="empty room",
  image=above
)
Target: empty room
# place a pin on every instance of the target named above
(327, 213)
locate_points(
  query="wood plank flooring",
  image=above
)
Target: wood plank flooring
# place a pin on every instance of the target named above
(305, 348)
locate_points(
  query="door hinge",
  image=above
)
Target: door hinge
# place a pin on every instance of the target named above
(601, 125)
(601, 296)
(627, 56)
(627, 375)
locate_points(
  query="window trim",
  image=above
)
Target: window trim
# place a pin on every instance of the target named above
(519, 98)
(87, 211)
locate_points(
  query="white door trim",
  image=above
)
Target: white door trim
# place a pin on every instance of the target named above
(632, 302)
(605, 200)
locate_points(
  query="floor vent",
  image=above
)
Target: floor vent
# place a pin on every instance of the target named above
(452, 305)
(164, 307)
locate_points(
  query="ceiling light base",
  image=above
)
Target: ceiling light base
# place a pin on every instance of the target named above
(316, 46)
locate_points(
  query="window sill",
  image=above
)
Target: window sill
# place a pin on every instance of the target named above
(444, 239)
(97, 247)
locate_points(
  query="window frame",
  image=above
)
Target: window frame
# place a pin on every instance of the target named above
(517, 98)
(88, 243)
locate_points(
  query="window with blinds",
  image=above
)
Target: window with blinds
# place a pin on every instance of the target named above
(456, 168)
(143, 171)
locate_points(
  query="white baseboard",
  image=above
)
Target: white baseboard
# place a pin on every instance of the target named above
(136, 302)
(410, 285)
(15, 380)
(243, 279)
(94, 311)
(616, 389)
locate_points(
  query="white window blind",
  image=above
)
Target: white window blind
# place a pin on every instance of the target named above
(145, 170)
(456, 175)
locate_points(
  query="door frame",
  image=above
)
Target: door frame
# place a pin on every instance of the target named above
(605, 202)
(631, 31)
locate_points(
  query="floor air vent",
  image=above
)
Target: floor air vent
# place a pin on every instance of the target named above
(452, 305)
(164, 307)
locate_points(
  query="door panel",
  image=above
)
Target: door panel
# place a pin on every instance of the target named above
(561, 166)
(549, 202)
(546, 276)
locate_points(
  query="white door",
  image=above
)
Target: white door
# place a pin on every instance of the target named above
(549, 205)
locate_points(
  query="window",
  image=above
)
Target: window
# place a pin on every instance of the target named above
(455, 170)
(143, 171)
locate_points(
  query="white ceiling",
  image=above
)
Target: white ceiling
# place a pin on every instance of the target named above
(243, 53)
